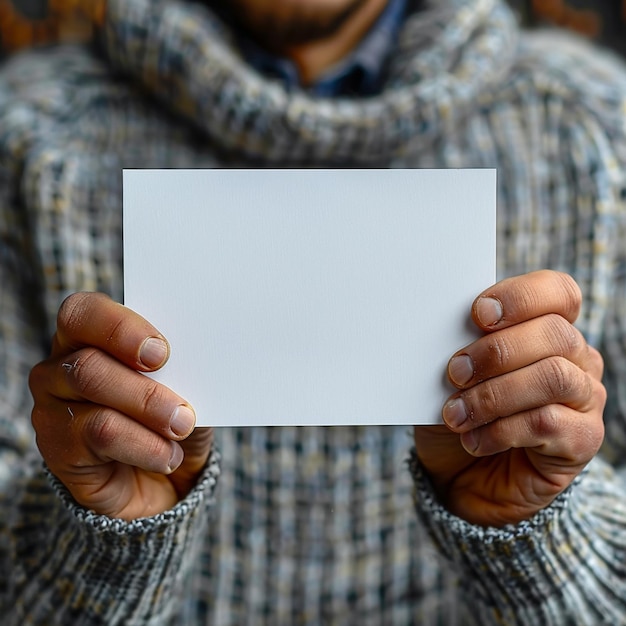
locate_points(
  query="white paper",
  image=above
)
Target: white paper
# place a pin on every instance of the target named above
(309, 297)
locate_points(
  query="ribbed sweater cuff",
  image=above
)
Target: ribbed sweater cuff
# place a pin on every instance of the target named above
(96, 570)
(558, 567)
(201, 494)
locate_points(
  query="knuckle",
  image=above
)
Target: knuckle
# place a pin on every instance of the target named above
(568, 339)
(486, 405)
(71, 311)
(588, 440)
(545, 421)
(599, 394)
(571, 292)
(525, 300)
(39, 418)
(37, 379)
(499, 349)
(54, 439)
(101, 429)
(158, 449)
(596, 397)
(595, 361)
(153, 398)
(87, 371)
(561, 377)
(490, 439)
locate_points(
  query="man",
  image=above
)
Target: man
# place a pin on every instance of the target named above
(137, 518)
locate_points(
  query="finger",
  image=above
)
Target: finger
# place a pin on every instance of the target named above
(554, 380)
(93, 376)
(525, 297)
(197, 448)
(93, 319)
(76, 435)
(520, 345)
(554, 431)
(595, 363)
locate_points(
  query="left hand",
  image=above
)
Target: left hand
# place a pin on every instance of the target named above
(528, 414)
(122, 444)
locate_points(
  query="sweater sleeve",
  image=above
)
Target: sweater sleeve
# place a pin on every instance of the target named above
(70, 566)
(566, 565)
(59, 563)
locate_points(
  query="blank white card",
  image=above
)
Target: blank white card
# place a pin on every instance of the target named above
(309, 297)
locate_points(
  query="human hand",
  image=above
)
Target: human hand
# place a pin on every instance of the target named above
(528, 414)
(120, 442)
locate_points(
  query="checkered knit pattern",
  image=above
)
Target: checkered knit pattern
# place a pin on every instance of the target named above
(315, 526)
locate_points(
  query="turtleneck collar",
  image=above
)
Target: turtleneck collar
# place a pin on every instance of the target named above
(447, 56)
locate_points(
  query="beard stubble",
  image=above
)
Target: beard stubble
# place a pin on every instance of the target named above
(278, 29)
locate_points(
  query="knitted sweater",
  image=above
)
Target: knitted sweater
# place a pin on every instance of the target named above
(308, 525)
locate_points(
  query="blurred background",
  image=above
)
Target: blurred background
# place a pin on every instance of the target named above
(601, 20)
(24, 22)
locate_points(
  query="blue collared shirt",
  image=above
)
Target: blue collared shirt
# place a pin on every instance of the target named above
(361, 73)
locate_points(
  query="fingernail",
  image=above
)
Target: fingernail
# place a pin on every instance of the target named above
(177, 457)
(488, 311)
(461, 369)
(470, 441)
(454, 412)
(183, 420)
(153, 352)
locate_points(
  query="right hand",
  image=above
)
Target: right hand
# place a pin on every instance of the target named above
(119, 441)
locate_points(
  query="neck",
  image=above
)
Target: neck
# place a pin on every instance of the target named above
(314, 58)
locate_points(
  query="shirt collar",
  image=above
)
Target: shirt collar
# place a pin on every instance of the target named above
(361, 73)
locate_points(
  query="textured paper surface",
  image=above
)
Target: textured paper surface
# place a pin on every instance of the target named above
(302, 297)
